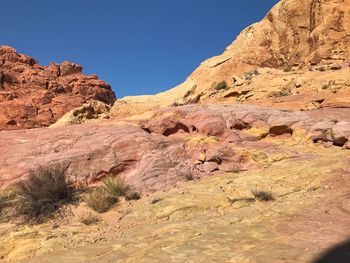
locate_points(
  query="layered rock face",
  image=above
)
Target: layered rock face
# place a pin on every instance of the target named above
(297, 57)
(173, 144)
(34, 96)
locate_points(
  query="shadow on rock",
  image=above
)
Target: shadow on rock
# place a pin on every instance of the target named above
(338, 254)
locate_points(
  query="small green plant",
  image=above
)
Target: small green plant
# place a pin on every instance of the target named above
(90, 219)
(262, 195)
(100, 200)
(44, 194)
(115, 186)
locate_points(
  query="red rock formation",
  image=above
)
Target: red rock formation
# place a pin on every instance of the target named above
(32, 95)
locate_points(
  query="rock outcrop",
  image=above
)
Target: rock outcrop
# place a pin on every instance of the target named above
(297, 57)
(34, 96)
(158, 151)
(90, 111)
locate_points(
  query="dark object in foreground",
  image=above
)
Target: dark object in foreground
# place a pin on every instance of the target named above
(44, 195)
(262, 195)
(337, 254)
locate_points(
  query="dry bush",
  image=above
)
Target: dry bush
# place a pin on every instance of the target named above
(100, 200)
(176, 104)
(45, 194)
(219, 86)
(3, 201)
(6, 200)
(90, 219)
(132, 196)
(262, 195)
(115, 186)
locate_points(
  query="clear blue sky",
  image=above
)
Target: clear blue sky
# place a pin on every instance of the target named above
(138, 46)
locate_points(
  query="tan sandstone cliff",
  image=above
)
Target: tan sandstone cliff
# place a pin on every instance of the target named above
(297, 57)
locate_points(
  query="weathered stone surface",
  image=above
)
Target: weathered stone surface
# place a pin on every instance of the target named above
(214, 217)
(340, 133)
(210, 167)
(93, 110)
(297, 57)
(34, 96)
(150, 152)
(320, 131)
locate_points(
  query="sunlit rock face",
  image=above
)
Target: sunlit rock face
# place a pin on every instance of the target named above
(297, 57)
(32, 95)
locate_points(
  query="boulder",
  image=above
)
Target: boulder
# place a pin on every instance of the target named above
(340, 133)
(320, 131)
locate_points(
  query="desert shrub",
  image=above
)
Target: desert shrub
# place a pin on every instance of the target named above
(132, 196)
(100, 200)
(286, 91)
(219, 86)
(287, 68)
(90, 219)
(187, 175)
(325, 86)
(155, 200)
(321, 68)
(44, 194)
(249, 75)
(336, 67)
(4, 201)
(335, 121)
(262, 195)
(176, 104)
(7, 204)
(115, 186)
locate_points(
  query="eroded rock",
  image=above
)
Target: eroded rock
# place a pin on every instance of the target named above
(35, 96)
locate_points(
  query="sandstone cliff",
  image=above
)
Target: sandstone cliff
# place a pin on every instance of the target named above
(298, 57)
(198, 168)
(34, 96)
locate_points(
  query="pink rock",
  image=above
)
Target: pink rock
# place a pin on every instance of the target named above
(320, 130)
(209, 167)
(347, 145)
(340, 133)
(214, 124)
